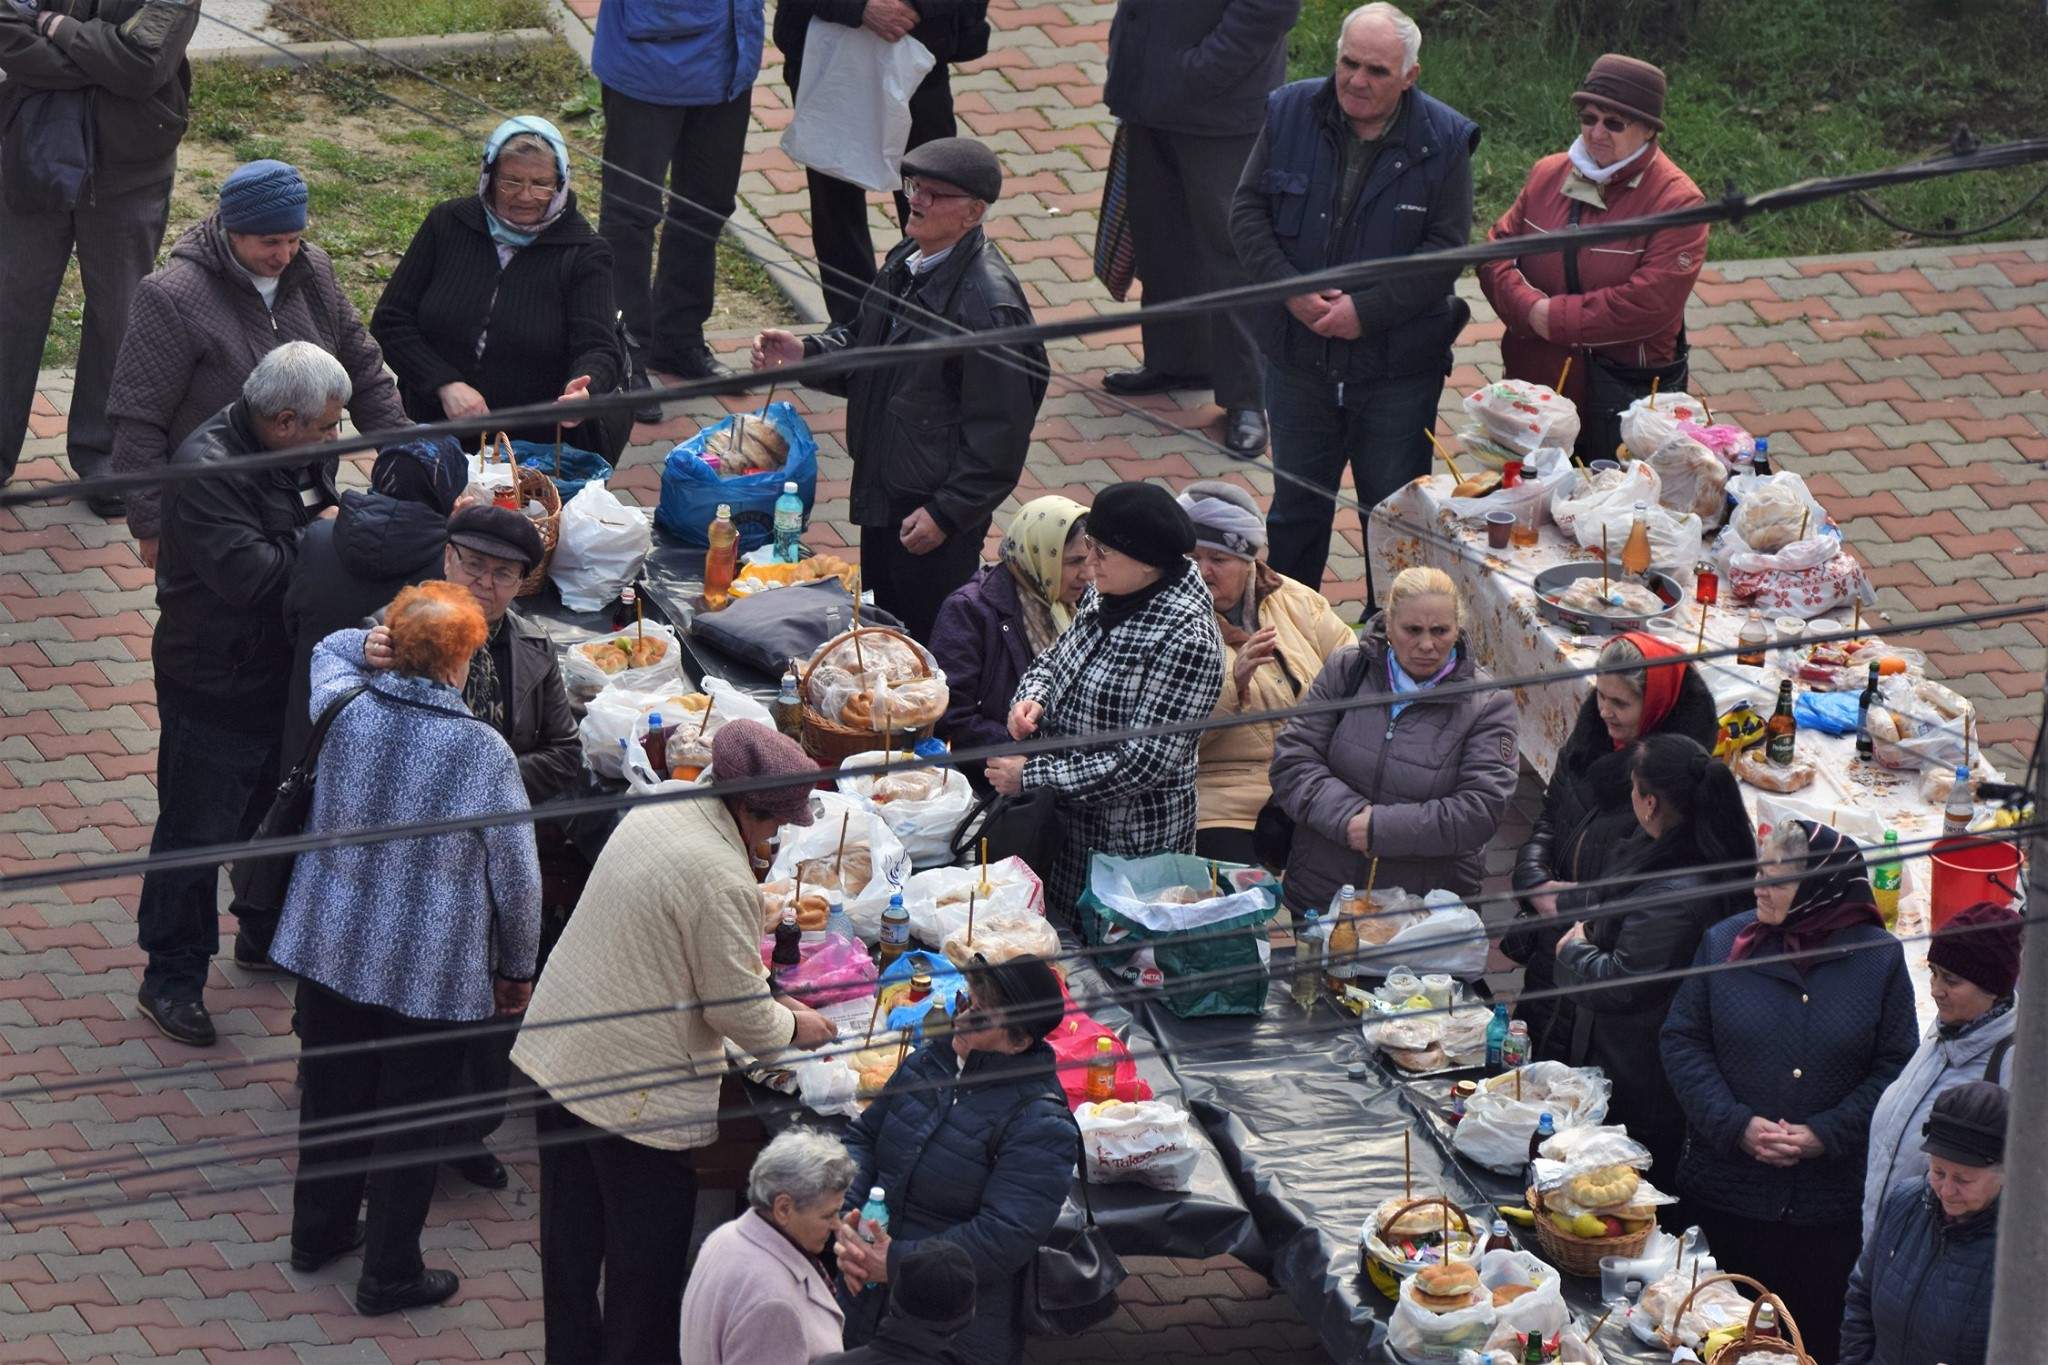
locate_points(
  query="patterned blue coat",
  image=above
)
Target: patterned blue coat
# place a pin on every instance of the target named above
(419, 925)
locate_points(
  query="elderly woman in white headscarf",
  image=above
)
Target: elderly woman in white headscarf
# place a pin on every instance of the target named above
(1277, 634)
(504, 298)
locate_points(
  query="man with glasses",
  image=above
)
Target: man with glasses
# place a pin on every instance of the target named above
(1356, 166)
(937, 445)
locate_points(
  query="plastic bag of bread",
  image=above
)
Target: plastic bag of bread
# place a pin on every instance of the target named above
(1772, 513)
(1442, 1310)
(1145, 1142)
(923, 805)
(1919, 723)
(1543, 473)
(1528, 1295)
(1438, 933)
(999, 934)
(937, 898)
(1573, 1347)
(1654, 1318)
(1413, 1044)
(1589, 490)
(748, 445)
(875, 865)
(1406, 1234)
(911, 704)
(1937, 783)
(1754, 767)
(645, 659)
(1675, 538)
(1523, 416)
(1694, 479)
(813, 906)
(895, 657)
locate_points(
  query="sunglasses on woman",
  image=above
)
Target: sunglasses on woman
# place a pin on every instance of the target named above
(1613, 123)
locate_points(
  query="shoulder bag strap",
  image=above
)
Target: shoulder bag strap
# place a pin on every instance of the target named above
(1997, 1060)
(318, 738)
(1002, 1129)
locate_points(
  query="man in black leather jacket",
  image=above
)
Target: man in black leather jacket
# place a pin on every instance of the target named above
(223, 664)
(937, 445)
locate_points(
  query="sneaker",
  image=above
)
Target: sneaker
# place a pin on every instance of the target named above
(181, 1021)
(374, 1298)
(306, 1262)
(251, 958)
(483, 1170)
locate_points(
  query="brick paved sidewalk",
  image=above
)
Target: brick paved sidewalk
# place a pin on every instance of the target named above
(1907, 386)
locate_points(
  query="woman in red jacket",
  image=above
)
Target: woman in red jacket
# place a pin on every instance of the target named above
(1616, 309)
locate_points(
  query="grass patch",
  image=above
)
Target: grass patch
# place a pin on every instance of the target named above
(374, 166)
(1763, 93)
(319, 20)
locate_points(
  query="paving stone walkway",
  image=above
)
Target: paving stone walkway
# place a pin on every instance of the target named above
(1907, 386)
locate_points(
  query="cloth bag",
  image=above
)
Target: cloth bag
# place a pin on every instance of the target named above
(852, 119)
(1116, 242)
(261, 883)
(602, 546)
(571, 467)
(768, 629)
(1209, 950)
(692, 491)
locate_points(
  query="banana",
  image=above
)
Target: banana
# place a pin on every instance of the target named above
(1515, 1213)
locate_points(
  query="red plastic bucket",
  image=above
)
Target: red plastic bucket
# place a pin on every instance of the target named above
(1968, 870)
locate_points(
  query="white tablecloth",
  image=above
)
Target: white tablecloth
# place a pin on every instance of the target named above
(1510, 638)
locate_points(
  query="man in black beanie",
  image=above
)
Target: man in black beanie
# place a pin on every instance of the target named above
(930, 1302)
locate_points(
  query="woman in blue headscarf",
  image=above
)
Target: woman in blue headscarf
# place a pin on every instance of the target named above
(504, 298)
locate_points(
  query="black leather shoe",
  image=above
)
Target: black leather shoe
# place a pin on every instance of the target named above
(1146, 380)
(375, 1298)
(695, 362)
(306, 1262)
(108, 506)
(483, 1170)
(1244, 432)
(181, 1021)
(637, 382)
(251, 958)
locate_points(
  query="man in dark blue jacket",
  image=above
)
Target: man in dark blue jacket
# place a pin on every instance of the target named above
(1358, 167)
(678, 91)
(1189, 80)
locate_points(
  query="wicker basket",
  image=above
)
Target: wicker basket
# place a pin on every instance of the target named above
(1581, 1255)
(831, 743)
(1749, 1343)
(533, 486)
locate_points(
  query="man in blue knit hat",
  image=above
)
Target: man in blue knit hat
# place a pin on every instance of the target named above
(93, 106)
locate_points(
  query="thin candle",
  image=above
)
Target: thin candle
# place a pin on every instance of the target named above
(1445, 453)
(1563, 373)
(839, 858)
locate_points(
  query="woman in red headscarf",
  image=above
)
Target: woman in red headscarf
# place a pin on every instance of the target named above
(1586, 813)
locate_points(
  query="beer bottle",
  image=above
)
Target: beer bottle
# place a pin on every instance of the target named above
(1781, 731)
(1866, 748)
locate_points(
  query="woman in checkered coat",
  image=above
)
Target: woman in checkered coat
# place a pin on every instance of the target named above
(1143, 650)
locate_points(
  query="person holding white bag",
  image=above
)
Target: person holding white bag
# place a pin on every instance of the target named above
(952, 31)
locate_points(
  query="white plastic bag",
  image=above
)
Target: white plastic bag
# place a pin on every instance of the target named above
(1541, 1310)
(602, 545)
(1524, 417)
(926, 825)
(585, 678)
(1496, 1129)
(1675, 540)
(1586, 492)
(618, 713)
(852, 117)
(1543, 474)
(1693, 478)
(1650, 422)
(1450, 938)
(866, 830)
(1423, 1334)
(1145, 1142)
(1770, 510)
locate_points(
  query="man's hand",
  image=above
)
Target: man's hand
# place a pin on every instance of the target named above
(1024, 719)
(145, 549)
(1339, 320)
(511, 997)
(775, 348)
(889, 20)
(919, 534)
(1359, 832)
(330, 511)
(1308, 309)
(460, 400)
(1252, 655)
(579, 387)
(1006, 775)
(1544, 897)
(1575, 934)
(377, 652)
(1539, 319)
(813, 1030)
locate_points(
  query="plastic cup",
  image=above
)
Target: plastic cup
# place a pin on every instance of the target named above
(1599, 465)
(1437, 986)
(1620, 1279)
(1500, 529)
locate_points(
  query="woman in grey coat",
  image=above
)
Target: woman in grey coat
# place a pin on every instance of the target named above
(1418, 784)
(1973, 966)
(399, 939)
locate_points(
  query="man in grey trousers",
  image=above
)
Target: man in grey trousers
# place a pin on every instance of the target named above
(1189, 80)
(94, 105)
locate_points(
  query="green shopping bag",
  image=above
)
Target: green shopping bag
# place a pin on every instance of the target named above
(1211, 947)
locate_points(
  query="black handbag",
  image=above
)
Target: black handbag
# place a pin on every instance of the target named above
(1029, 825)
(1070, 1286)
(260, 884)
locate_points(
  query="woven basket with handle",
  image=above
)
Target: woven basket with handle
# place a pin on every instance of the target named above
(1749, 1343)
(832, 743)
(1581, 1255)
(533, 486)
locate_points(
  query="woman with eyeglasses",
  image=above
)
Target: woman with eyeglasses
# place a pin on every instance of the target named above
(1143, 651)
(970, 1143)
(504, 298)
(1615, 310)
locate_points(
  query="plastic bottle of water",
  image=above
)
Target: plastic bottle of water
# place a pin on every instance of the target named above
(789, 524)
(875, 1211)
(836, 922)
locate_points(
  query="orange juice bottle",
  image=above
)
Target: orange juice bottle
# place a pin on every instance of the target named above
(1635, 555)
(721, 561)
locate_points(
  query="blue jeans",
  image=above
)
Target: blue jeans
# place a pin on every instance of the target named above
(1318, 427)
(213, 786)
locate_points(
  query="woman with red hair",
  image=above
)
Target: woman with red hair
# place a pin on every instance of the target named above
(398, 940)
(1586, 813)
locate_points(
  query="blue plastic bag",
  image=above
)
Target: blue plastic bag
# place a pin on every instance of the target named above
(947, 985)
(691, 491)
(1831, 713)
(579, 466)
